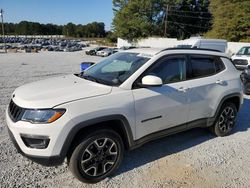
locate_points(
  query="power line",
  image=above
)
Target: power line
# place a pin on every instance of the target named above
(182, 28)
(190, 5)
(198, 17)
(190, 25)
(194, 12)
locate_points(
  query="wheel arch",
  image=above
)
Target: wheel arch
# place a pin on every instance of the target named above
(234, 98)
(118, 123)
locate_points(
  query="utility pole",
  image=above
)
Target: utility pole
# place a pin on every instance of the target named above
(166, 21)
(1, 13)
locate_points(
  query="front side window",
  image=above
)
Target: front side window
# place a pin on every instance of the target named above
(169, 69)
(115, 69)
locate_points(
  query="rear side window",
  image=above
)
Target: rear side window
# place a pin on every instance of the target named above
(202, 66)
(219, 65)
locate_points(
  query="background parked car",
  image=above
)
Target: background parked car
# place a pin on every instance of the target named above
(106, 52)
(55, 44)
(242, 58)
(245, 76)
(94, 50)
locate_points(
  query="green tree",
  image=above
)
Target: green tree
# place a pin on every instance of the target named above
(94, 29)
(143, 18)
(69, 30)
(137, 18)
(23, 28)
(231, 20)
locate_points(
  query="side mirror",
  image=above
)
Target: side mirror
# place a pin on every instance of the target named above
(152, 81)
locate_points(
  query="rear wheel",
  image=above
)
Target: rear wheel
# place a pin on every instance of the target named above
(225, 121)
(97, 156)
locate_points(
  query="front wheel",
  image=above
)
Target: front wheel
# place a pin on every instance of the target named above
(225, 120)
(97, 156)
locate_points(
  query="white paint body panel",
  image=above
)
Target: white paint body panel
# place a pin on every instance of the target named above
(54, 91)
(167, 102)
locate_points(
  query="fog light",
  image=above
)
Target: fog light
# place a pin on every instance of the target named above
(37, 142)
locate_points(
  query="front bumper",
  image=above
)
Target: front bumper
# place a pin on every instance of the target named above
(241, 67)
(54, 135)
(46, 161)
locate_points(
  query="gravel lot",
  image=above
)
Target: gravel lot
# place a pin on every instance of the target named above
(190, 159)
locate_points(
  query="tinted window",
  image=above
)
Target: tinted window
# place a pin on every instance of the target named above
(202, 66)
(169, 69)
(219, 65)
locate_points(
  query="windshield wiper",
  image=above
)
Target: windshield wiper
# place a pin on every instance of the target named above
(94, 79)
(91, 78)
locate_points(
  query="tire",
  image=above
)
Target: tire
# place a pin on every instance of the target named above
(225, 121)
(96, 156)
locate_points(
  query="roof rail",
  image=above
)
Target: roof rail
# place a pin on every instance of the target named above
(203, 49)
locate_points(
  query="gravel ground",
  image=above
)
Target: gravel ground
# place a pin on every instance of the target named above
(193, 158)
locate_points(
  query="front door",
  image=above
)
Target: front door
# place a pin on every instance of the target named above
(163, 107)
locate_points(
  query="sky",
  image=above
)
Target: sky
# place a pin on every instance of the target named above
(58, 11)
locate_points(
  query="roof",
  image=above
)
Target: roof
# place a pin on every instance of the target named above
(154, 51)
(148, 51)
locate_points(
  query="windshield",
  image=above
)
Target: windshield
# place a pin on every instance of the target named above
(115, 69)
(244, 51)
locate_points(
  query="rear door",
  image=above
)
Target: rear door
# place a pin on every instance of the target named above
(206, 85)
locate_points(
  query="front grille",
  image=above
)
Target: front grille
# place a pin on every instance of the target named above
(240, 62)
(15, 111)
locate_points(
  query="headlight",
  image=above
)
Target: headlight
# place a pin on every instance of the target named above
(42, 116)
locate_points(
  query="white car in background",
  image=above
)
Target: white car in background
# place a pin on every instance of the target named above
(242, 58)
(197, 42)
(106, 52)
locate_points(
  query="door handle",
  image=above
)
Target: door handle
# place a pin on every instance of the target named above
(221, 82)
(183, 89)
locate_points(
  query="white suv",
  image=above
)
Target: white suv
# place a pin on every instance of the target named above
(122, 102)
(242, 58)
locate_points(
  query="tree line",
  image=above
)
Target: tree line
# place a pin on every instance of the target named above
(225, 19)
(134, 19)
(94, 29)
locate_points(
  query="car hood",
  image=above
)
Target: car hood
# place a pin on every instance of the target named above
(244, 57)
(55, 91)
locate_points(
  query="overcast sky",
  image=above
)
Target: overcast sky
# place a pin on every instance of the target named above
(58, 11)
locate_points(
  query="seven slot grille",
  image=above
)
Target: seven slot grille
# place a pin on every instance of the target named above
(240, 62)
(15, 111)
